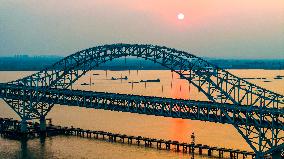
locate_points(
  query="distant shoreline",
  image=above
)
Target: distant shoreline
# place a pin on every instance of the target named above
(144, 69)
(27, 63)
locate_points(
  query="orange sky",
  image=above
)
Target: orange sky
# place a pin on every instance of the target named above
(219, 28)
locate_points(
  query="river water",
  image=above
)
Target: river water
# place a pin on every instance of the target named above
(221, 135)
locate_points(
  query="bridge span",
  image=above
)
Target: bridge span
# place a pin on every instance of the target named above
(158, 106)
(255, 112)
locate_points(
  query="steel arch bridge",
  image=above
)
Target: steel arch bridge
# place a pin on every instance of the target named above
(255, 112)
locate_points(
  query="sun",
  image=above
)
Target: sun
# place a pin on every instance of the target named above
(180, 16)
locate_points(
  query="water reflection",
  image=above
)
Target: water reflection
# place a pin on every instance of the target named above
(180, 130)
(179, 126)
(34, 148)
(180, 87)
(24, 148)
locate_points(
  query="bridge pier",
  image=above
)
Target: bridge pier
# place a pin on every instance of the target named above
(24, 126)
(42, 123)
(276, 155)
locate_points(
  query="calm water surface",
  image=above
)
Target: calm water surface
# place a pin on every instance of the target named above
(213, 134)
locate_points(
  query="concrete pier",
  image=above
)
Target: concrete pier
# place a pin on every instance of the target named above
(42, 123)
(24, 126)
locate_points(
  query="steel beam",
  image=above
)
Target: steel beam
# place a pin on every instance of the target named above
(256, 113)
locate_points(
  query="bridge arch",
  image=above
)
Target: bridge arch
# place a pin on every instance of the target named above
(217, 84)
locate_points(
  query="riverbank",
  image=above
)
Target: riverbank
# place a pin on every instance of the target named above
(37, 63)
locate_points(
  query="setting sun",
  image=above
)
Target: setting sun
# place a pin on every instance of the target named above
(180, 16)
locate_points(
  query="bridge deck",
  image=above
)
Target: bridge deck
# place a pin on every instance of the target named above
(159, 106)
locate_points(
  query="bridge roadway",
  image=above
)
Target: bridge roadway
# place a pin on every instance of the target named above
(158, 106)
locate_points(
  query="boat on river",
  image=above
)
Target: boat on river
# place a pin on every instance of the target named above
(154, 80)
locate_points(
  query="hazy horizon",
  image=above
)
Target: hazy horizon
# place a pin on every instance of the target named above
(219, 29)
(204, 57)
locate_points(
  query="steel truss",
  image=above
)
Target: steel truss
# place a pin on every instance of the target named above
(217, 84)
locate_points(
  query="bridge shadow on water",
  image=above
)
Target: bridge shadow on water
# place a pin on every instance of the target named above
(33, 149)
(27, 148)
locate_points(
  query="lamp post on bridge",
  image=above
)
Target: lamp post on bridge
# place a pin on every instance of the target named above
(192, 136)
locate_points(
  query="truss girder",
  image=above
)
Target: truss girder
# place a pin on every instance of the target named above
(189, 109)
(218, 85)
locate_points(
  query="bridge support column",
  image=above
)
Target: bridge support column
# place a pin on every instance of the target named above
(24, 126)
(276, 155)
(42, 123)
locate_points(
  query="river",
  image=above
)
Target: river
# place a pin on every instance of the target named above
(221, 135)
